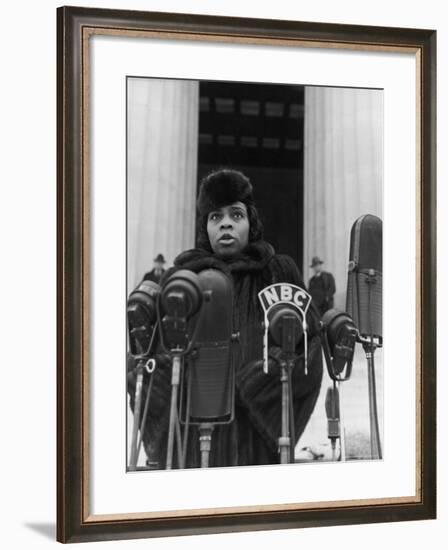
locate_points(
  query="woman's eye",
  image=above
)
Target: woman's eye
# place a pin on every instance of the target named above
(238, 215)
(214, 217)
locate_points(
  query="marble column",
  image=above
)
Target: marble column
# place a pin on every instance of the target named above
(162, 170)
(343, 172)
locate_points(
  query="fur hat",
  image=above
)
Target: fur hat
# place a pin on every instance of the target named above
(224, 187)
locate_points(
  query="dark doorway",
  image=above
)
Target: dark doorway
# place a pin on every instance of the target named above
(258, 129)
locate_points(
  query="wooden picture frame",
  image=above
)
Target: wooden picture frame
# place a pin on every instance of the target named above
(75, 27)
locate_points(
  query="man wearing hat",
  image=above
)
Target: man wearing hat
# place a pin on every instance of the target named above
(230, 238)
(157, 271)
(321, 286)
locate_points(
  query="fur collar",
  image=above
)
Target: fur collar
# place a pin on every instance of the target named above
(254, 257)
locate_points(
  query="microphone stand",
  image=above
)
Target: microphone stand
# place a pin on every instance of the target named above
(287, 437)
(332, 409)
(284, 442)
(174, 418)
(179, 329)
(205, 442)
(137, 408)
(144, 362)
(369, 345)
(341, 420)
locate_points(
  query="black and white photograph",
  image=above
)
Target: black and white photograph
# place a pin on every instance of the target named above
(254, 274)
(247, 274)
(223, 274)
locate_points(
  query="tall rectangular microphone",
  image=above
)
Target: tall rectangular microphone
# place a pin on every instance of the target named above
(365, 276)
(211, 366)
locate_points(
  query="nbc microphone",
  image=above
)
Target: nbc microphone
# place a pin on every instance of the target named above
(285, 306)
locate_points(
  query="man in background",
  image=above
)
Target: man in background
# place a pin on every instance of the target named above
(321, 286)
(157, 271)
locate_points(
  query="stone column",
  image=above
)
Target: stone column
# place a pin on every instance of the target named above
(162, 170)
(343, 172)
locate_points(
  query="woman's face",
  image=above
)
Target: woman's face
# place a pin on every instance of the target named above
(228, 229)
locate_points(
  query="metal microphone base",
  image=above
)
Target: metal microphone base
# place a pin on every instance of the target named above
(174, 425)
(375, 442)
(284, 441)
(137, 412)
(205, 443)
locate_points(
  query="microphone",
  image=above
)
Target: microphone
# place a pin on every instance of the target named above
(364, 303)
(211, 367)
(365, 276)
(284, 306)
(142, 322)
(333, 413)
(180, 299)
(285, 326)
(142, 316)
(339, 340)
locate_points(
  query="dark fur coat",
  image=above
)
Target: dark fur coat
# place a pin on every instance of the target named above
(252, 438)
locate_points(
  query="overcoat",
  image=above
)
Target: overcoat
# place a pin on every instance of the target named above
(322, 288)
(153, 276)
(252, 437)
